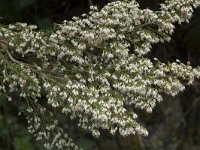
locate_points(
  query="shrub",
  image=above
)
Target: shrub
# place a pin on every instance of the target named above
(93, 69)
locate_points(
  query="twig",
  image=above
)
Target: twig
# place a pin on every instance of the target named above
(5, 43)
(141, 142)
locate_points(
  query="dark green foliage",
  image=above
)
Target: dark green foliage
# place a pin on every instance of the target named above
(13, 132)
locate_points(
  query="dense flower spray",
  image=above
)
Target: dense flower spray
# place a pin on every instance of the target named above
(93, 68)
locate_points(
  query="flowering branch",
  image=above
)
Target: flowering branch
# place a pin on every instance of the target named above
(94, 68)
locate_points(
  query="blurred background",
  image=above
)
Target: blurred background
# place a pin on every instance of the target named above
(173, 125)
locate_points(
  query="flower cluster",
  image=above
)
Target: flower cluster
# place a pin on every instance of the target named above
(94, 68)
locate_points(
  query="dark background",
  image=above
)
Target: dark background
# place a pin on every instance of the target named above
(173, 125)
